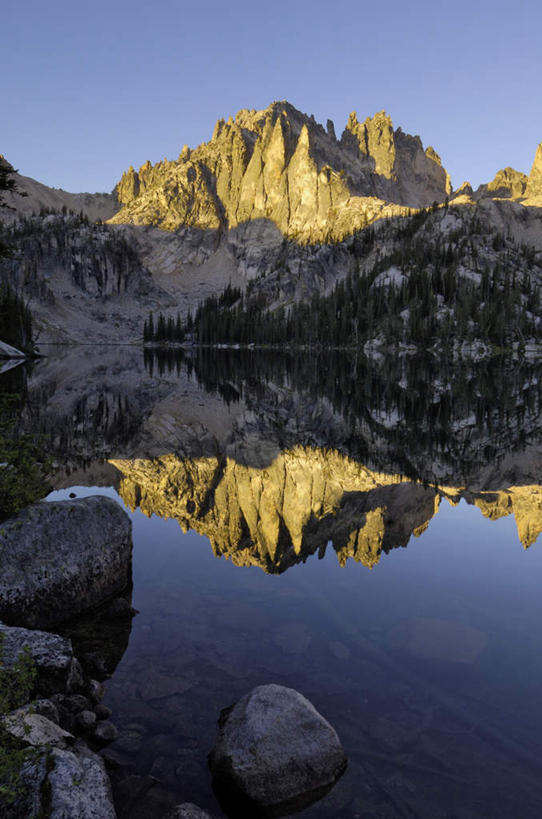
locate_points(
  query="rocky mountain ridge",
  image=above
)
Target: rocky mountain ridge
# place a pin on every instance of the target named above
(273, 203)
(281, 165)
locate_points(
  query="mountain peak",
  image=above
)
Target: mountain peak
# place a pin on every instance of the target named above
(534, 185)
(280, 164)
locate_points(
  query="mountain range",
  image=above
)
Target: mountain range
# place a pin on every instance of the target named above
(273, 203)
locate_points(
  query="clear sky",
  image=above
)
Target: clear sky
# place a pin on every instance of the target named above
(88, 89)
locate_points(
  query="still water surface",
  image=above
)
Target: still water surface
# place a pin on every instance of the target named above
(426, 659)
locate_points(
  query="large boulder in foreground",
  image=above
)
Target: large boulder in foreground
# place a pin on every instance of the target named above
(61, 558)
(276, 751)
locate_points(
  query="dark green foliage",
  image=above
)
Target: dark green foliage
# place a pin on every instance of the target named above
(7, 182)
(16, 688)
(166, 330)
(15, 319)
(98, 259)
(452, 288)
(23, 466)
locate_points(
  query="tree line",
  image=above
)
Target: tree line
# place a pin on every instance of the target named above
(427, 289)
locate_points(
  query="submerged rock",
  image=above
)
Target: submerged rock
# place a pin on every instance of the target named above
(275, 750)
(187, 811)
(62, 558)
(105, 732)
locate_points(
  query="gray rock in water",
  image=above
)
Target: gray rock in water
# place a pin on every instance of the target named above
(276, 750)
(102, 711)
(62, 558)
(105, 732)
(52, 655)
(187, 811)
(96, 691)
(76, 703)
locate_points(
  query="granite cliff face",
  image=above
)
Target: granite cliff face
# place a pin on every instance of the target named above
(82, 279)
(415, 177)
(507, 184)
(534, 185)
(281, 165)
(511, 184)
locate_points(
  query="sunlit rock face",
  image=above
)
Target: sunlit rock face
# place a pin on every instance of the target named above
(277, 516)
(507, 184)
(281, 165)
(417, 176)
(534, 185)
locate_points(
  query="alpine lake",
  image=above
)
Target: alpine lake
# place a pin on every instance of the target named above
(362, 530)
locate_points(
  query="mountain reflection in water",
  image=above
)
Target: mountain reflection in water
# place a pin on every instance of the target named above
(428, 666)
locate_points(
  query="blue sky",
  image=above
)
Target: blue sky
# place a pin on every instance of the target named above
(89, 89)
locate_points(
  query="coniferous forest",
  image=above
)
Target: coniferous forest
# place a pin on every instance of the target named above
(15, 319)
(420, 287)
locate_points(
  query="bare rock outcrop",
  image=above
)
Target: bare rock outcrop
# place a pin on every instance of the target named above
(534, 185)
(282, 166)
(64, 783)
(507, 184)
